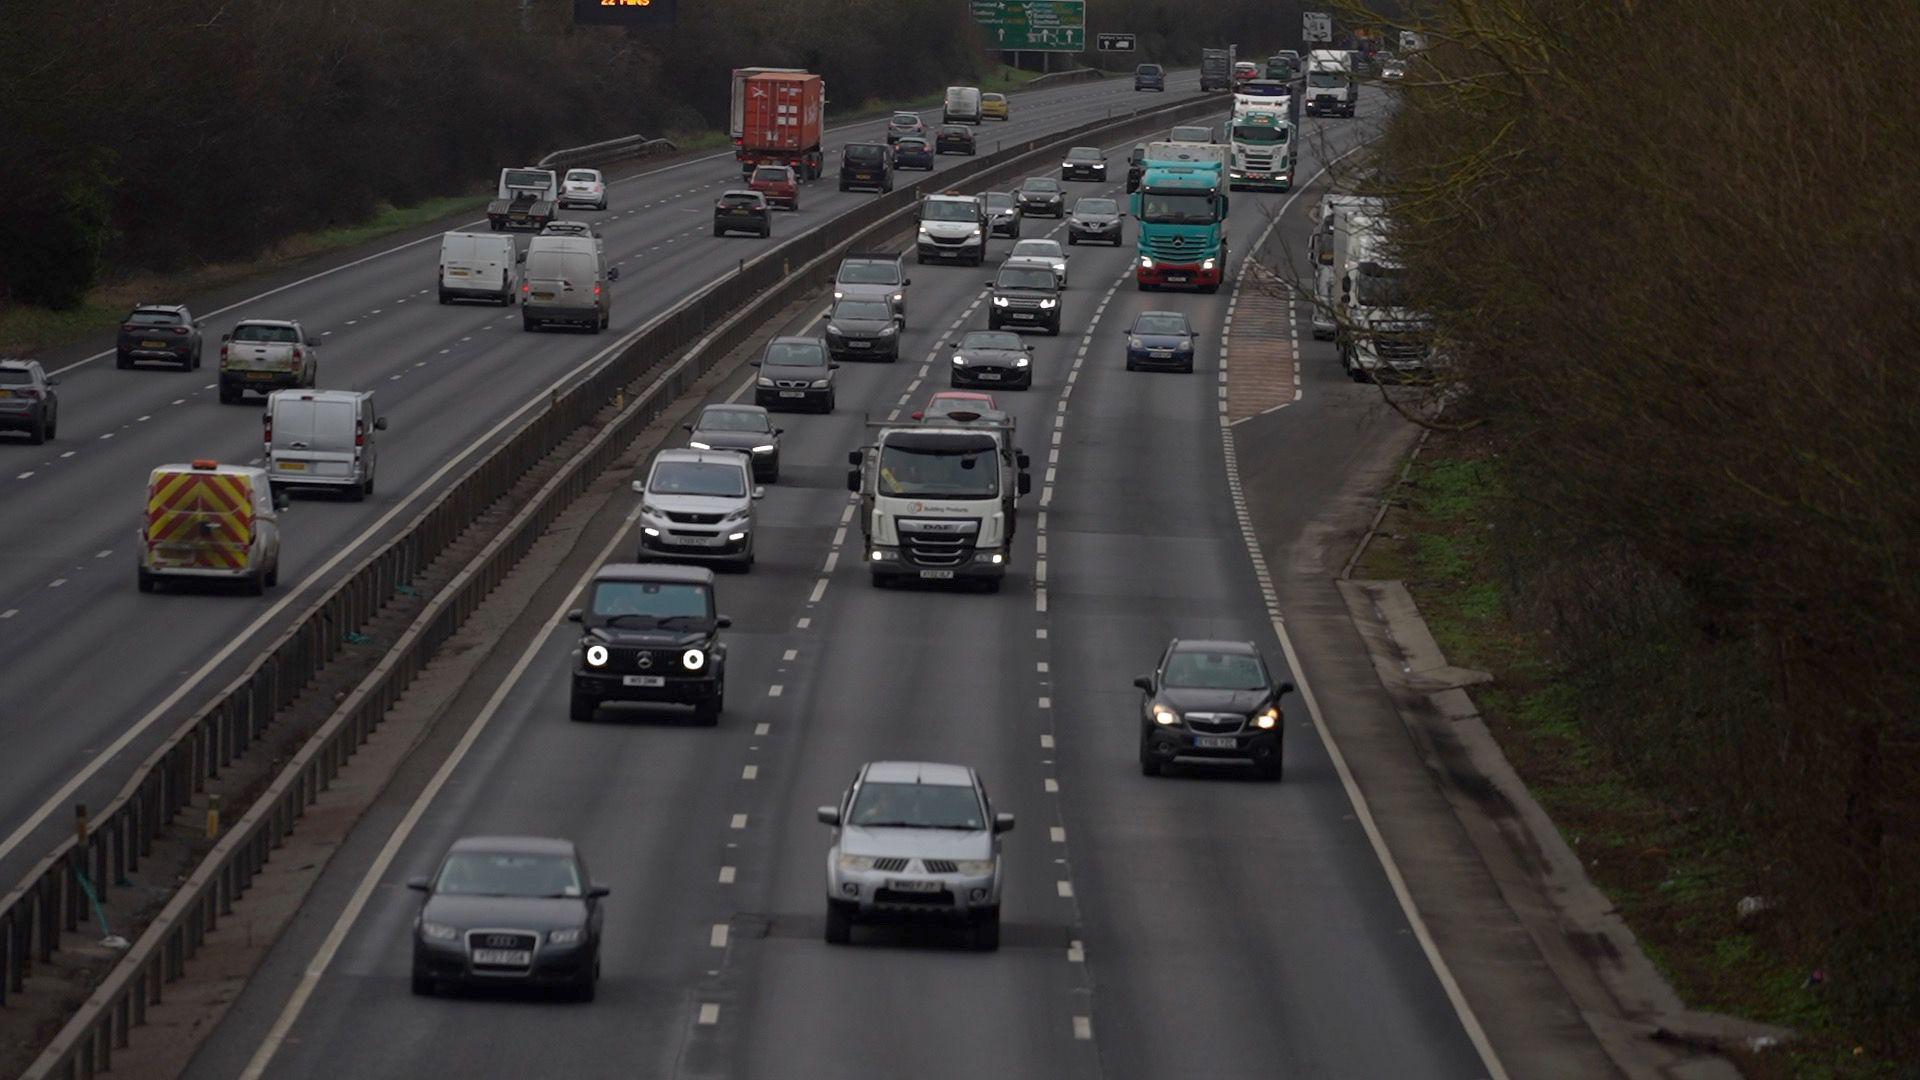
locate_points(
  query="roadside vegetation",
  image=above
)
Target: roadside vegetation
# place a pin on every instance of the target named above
(1677, 513)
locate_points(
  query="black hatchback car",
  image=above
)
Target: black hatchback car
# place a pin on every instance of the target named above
(1084, 163)
(867, 166)
(650, 634)
(508, 911)
(159, 332)
(954, 139)
(1040, 197)
(743, 211)
(1212, 702)
(795, 373)
(1150, 77)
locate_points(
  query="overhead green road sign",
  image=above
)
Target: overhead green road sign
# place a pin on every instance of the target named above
(1043, 25)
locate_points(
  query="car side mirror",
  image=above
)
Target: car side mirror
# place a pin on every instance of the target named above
(779, 431)
(226, 337)
(904, 282)
(1029, 348)
(753, 363)
(721, 622)
(828, 815)
(687, 427)
(826, 314)
(759, 492)
(419, 884)
(380, 424)
(1144, 682)
(853, 479)
(596, 891)
(854, 457)
(1003, 823)
(918, 415)
(1021, 459)
(640, 487)
(613, 273)
(1025, 483)
(574, 615)
(1285, 688)
(520, 257)
(53, 382)
(281, 502)
(313, 343)
(831, 364)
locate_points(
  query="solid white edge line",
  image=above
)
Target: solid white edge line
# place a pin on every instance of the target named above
(1469, 1022)
(343, 925)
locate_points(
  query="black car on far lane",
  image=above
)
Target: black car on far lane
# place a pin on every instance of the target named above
(992, 358)
(746, 428)
(743, 211)
(159, 332)
(795, 373)
(509, 911)
(1160, 339)
(954, 139)
(1211, 702)
(866, 165)
(863, 328)
(1084, 163)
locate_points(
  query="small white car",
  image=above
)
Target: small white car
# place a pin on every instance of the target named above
(583, 187)
(1046, 251)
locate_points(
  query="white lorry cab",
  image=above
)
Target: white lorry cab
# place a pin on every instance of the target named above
(939, 499)
(322, 439)
(1261, 143)
(478, 266)
(1331, 89)
(1380, 335)
(1335, 213)
(962, 105)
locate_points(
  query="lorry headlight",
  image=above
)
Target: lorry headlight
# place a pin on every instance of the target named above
(1265, 719)
(1164, 716)
(597, 656)
(1146, 263)
(693, 659)
(1206, 264)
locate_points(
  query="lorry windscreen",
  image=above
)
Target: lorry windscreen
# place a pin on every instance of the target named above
(1326, 79)
(1259, 133)
(528, 178)
(947, 467)
(1167, 209)
(1381, 286)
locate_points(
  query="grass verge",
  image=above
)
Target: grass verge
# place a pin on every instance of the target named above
(1676, 876)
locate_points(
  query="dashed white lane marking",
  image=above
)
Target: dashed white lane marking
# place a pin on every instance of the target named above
(179, 401)
(56, 583)
(1046, 742)
(726, 875)
(790, 654)
(108, 435)
(762, 729)
(718, 938)
(9, 613)
(103, 554)
(1064, 888)
(1040, 666)
(739, 821)
(1046, 703)
(749, 772)
(709, 1013)
(28, 475)
(1083, 1028)
(1052, 786)
(833, 560)
(775, 690)
(803, 624)
(1057, 834)
(1076, 952)
(69, 453)
(819, 590)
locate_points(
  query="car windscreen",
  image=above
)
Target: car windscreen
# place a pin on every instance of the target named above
(740, 202)
(1326, 78)
(771, 174)
(999, 200)
(1024, 277)
(956, 132)
(1035, 249)
(154, 318)
(282, 335)
(947, 467)
(943, 210)
(1381, 286)
(1085, 153)
(1264, 134)
(1215, 671)
(1177, 209)
(851, 310)
(794, 354)
(1040, 183)
(1096, 207)
(655, 600)
(990, 339)
(1151, 323)
(920, 806)
(733, 420)
(713, 478)
(876, 272)
(527, 178)
(904, 120)
(473, 873)
(13, 376)
(866, 154)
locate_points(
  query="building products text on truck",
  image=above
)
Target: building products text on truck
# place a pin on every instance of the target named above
(939, 499)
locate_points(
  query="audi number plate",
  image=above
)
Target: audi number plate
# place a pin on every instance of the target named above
(1214, 742)
(503, 957)
(646, 680)
(939, 575)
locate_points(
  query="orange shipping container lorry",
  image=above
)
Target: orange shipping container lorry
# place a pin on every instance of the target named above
(782, 115)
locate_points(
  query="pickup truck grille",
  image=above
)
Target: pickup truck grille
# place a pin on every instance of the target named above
(939, 866)
(938, 543)
(890, 865)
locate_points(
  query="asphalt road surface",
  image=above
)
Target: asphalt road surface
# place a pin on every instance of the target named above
(1199, 925)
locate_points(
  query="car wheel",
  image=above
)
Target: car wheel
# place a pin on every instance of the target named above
(423, 985)
(986, 931)
(529, 324)
(228, 396)
(766, 231)
(1072, 240)
(37, 434)
(196, 358)
(583, 989)
(1131, 366)
(123, 361)
(1187, 367)
(839, 922)
(1271, 770)
(273, 575)
(581, 709)
(843, 186)
(145, 580)
(1149, 766)
(367, 488)
(443, 299)
(718, 231)
(1210, 289)
(257, 584)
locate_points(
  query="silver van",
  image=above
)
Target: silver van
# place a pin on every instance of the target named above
(323, 439)
(566, 280)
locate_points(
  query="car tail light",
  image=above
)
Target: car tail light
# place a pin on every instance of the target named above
(30, 393)
(526, 287)
(181, 330)
(128, 328)
(223, 352)
(296, 352)
(596, 290)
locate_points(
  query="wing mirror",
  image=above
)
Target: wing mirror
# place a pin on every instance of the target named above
(596, 891)
(226, 337)
(853, 479)
(759, 492)
(419, 884)
(574, 615)
(313, 343)
(640, 487)
(1025, 483)
(1285, 688)
(281, 501)
(53, 382)
(1003, 823)
(1144, 682)
(918, 415)
(904, 282)
(828, 815)
(831, 364)
(854, 457)
(753, 363)
(687, 427)
(613, 273)
(520, 257)
(380, 424)
(722, 622)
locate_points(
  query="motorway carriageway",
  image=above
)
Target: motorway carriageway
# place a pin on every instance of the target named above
(97, 674)
(1201, 925)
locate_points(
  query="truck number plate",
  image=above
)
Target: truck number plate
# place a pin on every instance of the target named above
(1213, 742)
(503, 957)
(939, 575)
(650, 680)
(1177, 279)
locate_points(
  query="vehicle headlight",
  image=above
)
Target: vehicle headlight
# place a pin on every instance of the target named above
(597, 655)
(959, 361)
(899, 297)
(1135, 343)
(1265, 719)
(571, 936)
(975, 231)
(999, 301)
(856, 862)
(1164, 716)
(1021, 361)
(767, 449)
(888, 331)
(819, 384)
(1146, 263)
(974, 867)
(696, 444)
(1046, 304)
(837, 294)
(763, 381)
(1206, 264)
(438, 932)
(924, 234)
(693, 659)
(834, 331)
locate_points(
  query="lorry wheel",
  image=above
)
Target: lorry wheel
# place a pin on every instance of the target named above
(580, 709)
(990, 585)
(839, 922)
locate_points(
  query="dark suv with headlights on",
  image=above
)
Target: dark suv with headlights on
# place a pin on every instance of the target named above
(1211, 702)
(650, 634)
(1027, 295)
(508, 911)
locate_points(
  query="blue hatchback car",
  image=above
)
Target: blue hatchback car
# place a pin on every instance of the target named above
(1150, 77)
(913, 153)
(1160, 339)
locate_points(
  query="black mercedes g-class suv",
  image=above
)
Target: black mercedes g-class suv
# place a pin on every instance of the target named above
(650, 635)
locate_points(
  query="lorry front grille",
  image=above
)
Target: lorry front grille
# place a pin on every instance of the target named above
(936, 544)
(1401, 349)
(1174, 248)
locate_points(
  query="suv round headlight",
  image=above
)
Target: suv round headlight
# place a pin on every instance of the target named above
(597, 655)
(693, 659)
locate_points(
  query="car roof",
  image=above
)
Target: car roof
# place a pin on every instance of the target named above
(673, 572)
(514, 845)
(919, 772)
(1094, 150)
(963, 395)
(1238, 648)
(263, 322)
(992, 94)
(1026, 262)
(1043, 180)
(799, 339)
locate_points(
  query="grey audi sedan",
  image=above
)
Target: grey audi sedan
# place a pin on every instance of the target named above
(509, 911)
(914, 841)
